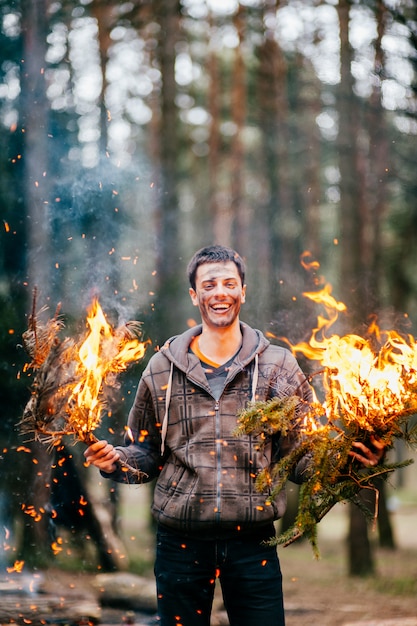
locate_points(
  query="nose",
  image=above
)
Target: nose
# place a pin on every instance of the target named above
(220, 290)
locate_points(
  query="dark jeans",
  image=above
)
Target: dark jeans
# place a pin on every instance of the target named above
(249, 573)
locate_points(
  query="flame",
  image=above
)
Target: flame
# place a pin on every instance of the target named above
(129, 433)
(368, 379)
(74, 377)
(103, 353)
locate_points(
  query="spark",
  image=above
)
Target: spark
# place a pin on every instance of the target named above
(17, 567)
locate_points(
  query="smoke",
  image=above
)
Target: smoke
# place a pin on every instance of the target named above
(102, 241)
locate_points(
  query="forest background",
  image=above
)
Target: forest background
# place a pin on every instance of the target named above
(133, 133)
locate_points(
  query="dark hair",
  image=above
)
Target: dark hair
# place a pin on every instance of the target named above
(215, 254)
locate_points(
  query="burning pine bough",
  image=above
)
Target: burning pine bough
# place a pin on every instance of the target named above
(370, 388)
(73, 379)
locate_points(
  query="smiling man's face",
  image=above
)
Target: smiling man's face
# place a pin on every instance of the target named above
(218, 293)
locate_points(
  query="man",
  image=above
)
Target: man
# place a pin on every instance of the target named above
(211, 520)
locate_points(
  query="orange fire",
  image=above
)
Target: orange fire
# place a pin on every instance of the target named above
(367, 380)
(73, 378)
(103, 353)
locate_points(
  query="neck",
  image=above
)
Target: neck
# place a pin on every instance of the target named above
(220, 344)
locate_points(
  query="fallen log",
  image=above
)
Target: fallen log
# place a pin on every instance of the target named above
(33, 599)
(39, 610)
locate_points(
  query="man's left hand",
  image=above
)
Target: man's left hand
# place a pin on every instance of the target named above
(369, 457)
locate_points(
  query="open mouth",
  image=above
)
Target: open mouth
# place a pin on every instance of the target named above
(220, 308)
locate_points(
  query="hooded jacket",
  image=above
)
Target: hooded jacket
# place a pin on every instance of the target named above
(181, 434)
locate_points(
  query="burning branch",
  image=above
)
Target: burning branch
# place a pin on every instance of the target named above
(370, 387)
(332, 476)
(72, 379)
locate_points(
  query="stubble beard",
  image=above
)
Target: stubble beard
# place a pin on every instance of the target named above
(218, 321)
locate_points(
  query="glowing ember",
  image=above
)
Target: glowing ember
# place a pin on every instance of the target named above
(17, 567)
(56, 546)
(29, 509)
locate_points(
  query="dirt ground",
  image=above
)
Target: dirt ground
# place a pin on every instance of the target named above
(319, 592)
(316, 592)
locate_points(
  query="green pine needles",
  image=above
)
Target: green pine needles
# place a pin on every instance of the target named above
(330, 474)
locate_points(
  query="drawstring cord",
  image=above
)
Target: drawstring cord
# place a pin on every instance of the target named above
(167, 401)
(255, 378)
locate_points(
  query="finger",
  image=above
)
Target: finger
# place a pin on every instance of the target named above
(377, 443)
(99, 445)
(111, 456)
(369, 453)
(106, 462)
(368, 461)
(104, 451)
(92, 448)
(97, 448)
(362, 447)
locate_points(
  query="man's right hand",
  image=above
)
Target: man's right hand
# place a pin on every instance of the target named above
(103, 455)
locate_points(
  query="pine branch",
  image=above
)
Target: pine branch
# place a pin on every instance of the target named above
(267, 418)
(333, 475)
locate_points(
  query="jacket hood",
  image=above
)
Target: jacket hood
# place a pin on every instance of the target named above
(176, 348)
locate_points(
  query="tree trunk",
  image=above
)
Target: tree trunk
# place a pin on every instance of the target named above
(237, 169)
(311, 170)
(360, 557)
(350, 217)
(219, 211)
(35, 127)
(273, 109)
(377, 201)
(385, 530)
(360, 553)
(35, 120)
(168, 316)
(72, 507)
(104, 14)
